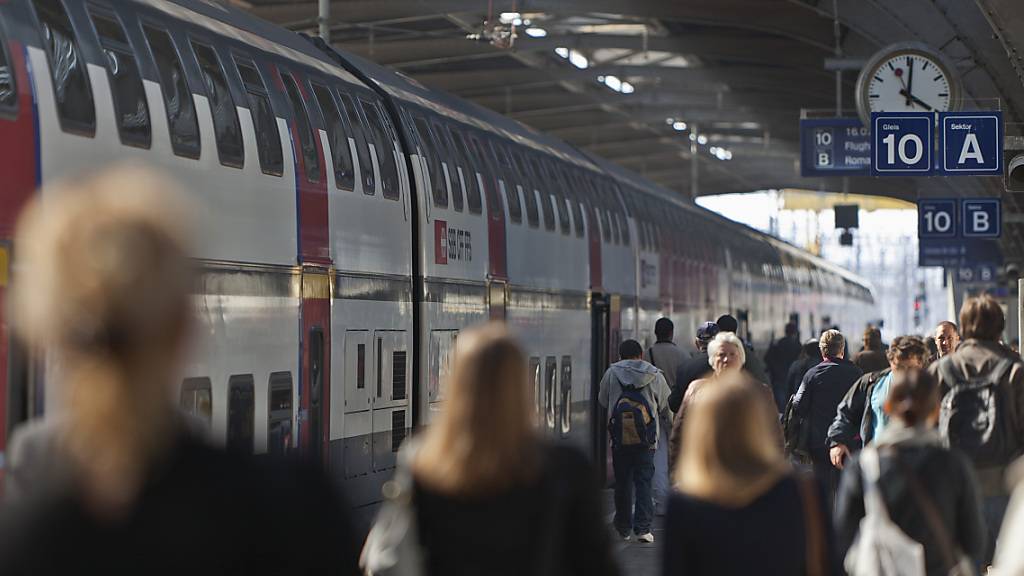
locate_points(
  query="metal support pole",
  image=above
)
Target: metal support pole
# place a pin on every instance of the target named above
(694, 168)
(836, 31)
(323, 20)
(1020, 310)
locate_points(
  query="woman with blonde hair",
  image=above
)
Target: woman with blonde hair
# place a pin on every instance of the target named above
(488, 496)
(739, 508)
(103, 288)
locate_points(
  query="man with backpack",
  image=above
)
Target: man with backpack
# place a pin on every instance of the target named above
(982, 409)
(636, 395)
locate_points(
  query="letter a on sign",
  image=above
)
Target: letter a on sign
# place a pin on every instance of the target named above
(971, 150)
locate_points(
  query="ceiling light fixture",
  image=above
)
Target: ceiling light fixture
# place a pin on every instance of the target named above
(578, 60)
(536, 32)
(702, 139)
(678, 125)
(509, 17)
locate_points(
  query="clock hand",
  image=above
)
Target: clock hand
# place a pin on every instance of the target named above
(916, 99)
(910, 81)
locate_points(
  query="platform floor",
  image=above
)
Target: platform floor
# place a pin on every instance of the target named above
(635, 558)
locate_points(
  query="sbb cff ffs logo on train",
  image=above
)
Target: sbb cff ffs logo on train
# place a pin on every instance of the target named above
(451, 244)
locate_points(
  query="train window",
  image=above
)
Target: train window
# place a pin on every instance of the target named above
(8, 89)
(178, 102)
(473, 201)
(614, 194)
(67, 69)
(398, 368)
(241, 414)
(126, 85)
(545, 182)
(355, 126)
(361, 366)
(530, 197)
(310, 156)
(384, 144)
(444, 147)
(438, 189)
(508, 176)
(560, 190)
(279, 413)
(344, 173)
(566, 395)
(480, 158)
(595, 202)
(550, 392)
(197, 399)
(611, 208)
(534, 375)
(222, 106)
(268, 139)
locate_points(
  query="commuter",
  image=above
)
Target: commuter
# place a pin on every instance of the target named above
(820, 393)
(810, 356)
(488, 495)
(726, 357)
(930, 492)
(871, 357)
(947, 338)
(780, 356)
(694, 367)
(104, 287)
(861, 414)
(753, 365)
(740, 509)
(636, 395)
(982, 385)
(667, 357)
(933, 349)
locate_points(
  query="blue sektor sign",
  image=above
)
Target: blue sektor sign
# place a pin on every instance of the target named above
(971, 143)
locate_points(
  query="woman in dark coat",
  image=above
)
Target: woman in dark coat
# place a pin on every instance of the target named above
(740, 509)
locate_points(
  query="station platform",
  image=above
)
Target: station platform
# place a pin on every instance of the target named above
(635, 558)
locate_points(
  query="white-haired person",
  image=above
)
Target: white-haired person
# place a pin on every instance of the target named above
(726, 355)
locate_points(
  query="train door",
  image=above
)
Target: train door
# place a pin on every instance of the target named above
(600, 336)
(314, 385)
(389, 413)
(357, 404)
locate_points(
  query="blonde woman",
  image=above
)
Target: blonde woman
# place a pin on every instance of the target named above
(739, 510)
(103, 287)
(490, 497)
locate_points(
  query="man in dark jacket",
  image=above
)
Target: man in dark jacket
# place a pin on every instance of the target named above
(810, 356)
(980, 354)
(778, 359)
(861, 413)
(871, 357)
(823, 387)
(694, 367)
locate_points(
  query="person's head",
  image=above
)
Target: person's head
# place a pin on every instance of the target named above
(872, 338)
(913, 397)
(705, 333)
(832, 344)
(810, 349)
(982, 318)
(103, 284)
(664, 329)
(727, 323)
(730, 454)
(791, 329)
(630, 350)
(907, 353)
(484, 439)
(726, 353)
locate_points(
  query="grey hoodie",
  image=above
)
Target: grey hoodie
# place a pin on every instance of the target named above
(643, 376)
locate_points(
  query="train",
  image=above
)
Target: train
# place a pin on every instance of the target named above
(354, 221)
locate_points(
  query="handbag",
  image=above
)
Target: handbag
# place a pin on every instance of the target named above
(393, 546)
(881, 548)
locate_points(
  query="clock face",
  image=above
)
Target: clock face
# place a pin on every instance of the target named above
(906, 80)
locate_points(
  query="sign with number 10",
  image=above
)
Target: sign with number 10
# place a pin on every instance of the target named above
(903, 143)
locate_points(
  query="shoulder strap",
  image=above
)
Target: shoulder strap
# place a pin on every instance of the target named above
(931, 512)
(813, 527)
(949, 371)
(1002, 368)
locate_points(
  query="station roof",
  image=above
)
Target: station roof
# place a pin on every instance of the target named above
(612, 76)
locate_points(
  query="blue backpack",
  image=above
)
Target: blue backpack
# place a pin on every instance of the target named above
(632, 423)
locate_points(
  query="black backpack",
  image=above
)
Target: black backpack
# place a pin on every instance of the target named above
(796, 432)
(632, 423)
(976, 414)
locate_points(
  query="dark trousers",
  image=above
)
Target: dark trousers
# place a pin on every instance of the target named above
(993, 509)
(827, 477)
(633, 467)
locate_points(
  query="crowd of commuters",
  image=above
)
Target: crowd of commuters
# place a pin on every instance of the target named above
(921, 444)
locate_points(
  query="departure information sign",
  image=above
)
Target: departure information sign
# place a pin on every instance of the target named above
(834, 147)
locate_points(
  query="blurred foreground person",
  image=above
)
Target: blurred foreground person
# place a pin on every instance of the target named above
(483, 493)
(740, 509)
(103, 287)
(928, 491)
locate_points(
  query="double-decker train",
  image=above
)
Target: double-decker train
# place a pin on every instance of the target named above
(354, 221)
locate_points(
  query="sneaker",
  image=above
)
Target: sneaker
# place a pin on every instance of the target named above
(646, 537)
(625, 537)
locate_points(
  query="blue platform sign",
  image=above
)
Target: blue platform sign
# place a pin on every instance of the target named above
(959, 252)
(982, 217)
(903, 143)
(971, 143)
(936, 219)
(834, 147)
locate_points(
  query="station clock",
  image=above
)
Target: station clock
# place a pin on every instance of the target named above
(907, 77)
